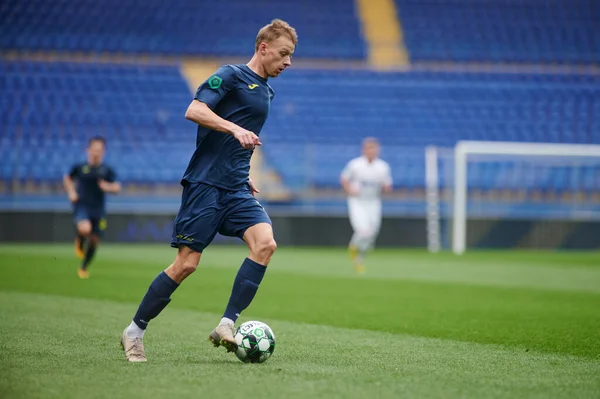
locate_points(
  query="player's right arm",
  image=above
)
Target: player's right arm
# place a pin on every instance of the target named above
(69, 185)
(208, 96)
(346, 179)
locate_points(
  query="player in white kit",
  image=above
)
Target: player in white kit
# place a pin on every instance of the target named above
(364, 179)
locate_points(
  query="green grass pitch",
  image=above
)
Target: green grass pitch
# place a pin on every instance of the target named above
(484, 325)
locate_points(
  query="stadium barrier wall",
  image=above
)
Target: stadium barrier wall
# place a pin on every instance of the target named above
(316, 231)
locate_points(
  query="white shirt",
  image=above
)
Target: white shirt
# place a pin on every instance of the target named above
(368, 178)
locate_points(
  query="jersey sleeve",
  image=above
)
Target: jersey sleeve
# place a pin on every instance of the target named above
(111, 175)
(348, 171)
(215, 88)
(74, 171)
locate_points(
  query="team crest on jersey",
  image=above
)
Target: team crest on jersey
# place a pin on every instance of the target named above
(215, 82)
(85, 170)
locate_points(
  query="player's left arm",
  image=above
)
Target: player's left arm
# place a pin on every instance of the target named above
(387, 180)
(110, 184)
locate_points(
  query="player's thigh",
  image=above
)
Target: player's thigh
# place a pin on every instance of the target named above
(358, 214)
(243, 212)
(260, 236)
(198, 219)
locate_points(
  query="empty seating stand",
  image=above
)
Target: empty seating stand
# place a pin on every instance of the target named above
(317, 121)
(184, 27)
(332, 111)
(50, 110)
(524, 31)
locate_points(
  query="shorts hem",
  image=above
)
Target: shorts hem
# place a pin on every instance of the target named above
(194, 247)
(240, 233)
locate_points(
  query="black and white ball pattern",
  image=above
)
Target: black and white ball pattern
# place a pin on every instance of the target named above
(256, 342)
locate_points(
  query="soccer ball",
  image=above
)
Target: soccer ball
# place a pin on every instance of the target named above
(255, 341)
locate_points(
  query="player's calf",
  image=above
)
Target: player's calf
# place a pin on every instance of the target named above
(84, 230)
(94, 241)
(79, 244)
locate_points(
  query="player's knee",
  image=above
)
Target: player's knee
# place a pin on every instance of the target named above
(264, 249)
(364, 234)
(84, 228)
(270, 246)
(188, 267)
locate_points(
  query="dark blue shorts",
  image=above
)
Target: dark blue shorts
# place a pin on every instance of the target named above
(207, 210)
(97, 219)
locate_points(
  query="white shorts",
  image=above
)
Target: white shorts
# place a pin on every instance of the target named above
(365, 215)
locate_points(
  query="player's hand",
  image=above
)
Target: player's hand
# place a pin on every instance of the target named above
(104, 185)
(73, 197)
(247, 139)
(253, 188)
(353, 191)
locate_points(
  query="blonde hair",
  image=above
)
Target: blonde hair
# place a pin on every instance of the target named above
(274, 31)
(370, 140)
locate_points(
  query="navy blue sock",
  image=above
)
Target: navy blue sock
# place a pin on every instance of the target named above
(155, 300)
(89, 254)
(244, 288)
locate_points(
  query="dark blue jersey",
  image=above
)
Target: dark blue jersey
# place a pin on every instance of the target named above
(236, 94)
(86, 177)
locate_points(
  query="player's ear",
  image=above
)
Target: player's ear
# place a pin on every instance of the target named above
(262, 48)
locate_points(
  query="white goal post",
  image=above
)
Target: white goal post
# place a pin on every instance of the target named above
(463, 149)
(432, 199)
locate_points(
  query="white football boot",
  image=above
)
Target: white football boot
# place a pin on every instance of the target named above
(223, 335)
(134, 348)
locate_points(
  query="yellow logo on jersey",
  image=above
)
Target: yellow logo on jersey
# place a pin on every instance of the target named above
(85, 169)
(252, 86)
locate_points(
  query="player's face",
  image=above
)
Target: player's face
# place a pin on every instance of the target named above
(95, 152)
(371, 150)
(277, 55)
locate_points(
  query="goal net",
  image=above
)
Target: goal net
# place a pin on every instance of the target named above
(509, 194)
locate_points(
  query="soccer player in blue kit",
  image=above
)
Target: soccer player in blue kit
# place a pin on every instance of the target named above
(87, 184)
(230, 108)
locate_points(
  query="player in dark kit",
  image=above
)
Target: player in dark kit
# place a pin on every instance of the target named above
(218, 194)
(86, 185)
